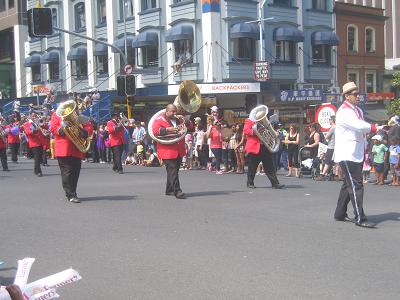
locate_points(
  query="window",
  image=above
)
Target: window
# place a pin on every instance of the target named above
(129, 8)
(79, 68)
(321, 54)
(283, 3)
(10, 4)
(54, 16)
(285, 52)
(149, 56)
(244, 49)
(102, 64)
(36, 74)
(352, 75)
(101, 12)
(148, 4)
(370, 82)
(2, 5)
(369, 39)
(352, 38)
(130, 56)
(183, 51)
(319, 4)
(80, 21)
(54, 71)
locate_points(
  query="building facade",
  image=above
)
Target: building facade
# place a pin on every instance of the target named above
(212, 42)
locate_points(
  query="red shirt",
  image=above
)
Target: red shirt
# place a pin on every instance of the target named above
(63, 147)
(13, 139)
(215, 138)
(117, 136)
(45, 140)
(167, 151)
(34, 139)
(252, 140)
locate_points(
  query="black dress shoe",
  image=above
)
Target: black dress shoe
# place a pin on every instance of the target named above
(278, 186)
(345, 219)
(251, 186)
(180, 195)
(366, 224)
(74, 200)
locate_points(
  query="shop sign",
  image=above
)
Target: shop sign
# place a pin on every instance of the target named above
(323, 115)
(41, 89)
(380, 96)
(301, 95)
(261, 71)
(221, 88)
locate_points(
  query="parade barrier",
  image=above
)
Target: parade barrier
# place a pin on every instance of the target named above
(42, 289)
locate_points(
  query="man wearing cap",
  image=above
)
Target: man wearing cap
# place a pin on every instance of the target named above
(350, 145)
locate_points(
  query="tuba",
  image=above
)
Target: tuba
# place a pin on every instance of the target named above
(68, 112)
(268, 136)
(189, 100)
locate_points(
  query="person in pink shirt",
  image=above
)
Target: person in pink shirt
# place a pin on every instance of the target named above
(215, 135)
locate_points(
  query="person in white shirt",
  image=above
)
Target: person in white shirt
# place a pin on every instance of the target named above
(350, 145)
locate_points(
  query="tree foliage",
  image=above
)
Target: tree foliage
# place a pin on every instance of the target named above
(394, 106)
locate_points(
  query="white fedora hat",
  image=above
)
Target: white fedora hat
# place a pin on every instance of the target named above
(348, 87)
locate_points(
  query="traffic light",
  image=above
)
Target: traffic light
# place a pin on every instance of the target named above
(40, 22)
(126, 85)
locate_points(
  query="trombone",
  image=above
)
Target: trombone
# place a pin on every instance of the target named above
(38, 124)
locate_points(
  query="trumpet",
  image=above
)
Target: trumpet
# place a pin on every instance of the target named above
(38, 124)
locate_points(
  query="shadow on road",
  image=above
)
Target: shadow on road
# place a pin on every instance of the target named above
(211, 193)
(109, 198)
(391, 216)
(6, 280)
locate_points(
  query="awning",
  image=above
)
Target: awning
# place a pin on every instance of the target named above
(145, 39)
(77, 54)
(51, 57)
(120, 43)
(178, 33)
(288, 34)
(100, 50)
(32, 61)
(324, 38)
(245, 30)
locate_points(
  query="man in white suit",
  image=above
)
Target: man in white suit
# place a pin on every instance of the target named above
(350, 145)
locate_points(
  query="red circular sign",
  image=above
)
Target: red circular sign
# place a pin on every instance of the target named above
(324, 113)
(128, 69)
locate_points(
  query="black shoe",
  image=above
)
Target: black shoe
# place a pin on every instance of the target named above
(278, 186)
(346, 219)
(39, 175)
(170, 194)
(74, 200)
(251, 186)
(366, 224)
(180, 195)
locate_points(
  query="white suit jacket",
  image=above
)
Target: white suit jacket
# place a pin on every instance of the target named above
(350, 133)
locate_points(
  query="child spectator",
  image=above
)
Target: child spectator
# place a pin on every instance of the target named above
(366, 167)
(130, 159)
(140, 153)
(394, 160)
(153, 159)
(379, 150)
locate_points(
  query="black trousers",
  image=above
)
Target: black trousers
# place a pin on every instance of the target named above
(352, 190)
(172, 166)
(70, 168)
(37, 157)
(14, 151)
(3, 158)
(117, 155)
(266, 158)
(44, 158)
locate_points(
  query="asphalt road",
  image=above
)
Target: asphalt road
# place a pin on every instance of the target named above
(129, 241)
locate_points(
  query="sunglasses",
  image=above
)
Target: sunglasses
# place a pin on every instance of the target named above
(354, 94)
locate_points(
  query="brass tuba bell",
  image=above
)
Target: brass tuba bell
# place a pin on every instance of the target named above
(189, 100)
(68, 112)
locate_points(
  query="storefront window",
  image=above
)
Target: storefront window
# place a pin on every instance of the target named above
(370, 82)
(80, 21)
(36, 74)
(54, 71)
(101, 12)
(183, 51)
(149, 56)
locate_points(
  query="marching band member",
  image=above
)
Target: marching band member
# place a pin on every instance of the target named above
(3, 147)
(171, 154)
(68, 156)
(34, 134)
(13, 137)
(117, 141)
(350, 145)
(257, 152)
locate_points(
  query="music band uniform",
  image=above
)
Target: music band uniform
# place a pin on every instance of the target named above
(117, 141)
(171, 155)
(34, 136)
(68, 156)
(13, 140)
(257, 152)
(3, 150)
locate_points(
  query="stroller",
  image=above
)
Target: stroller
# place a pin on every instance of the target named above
(308, 165)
